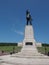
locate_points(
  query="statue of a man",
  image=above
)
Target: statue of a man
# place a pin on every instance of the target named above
(28, 17)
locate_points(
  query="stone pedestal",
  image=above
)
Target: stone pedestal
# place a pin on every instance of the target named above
(29, 44)
(29, 35)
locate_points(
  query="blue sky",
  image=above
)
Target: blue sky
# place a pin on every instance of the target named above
(13, 19)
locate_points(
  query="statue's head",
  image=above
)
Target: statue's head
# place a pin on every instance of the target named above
(27, 11)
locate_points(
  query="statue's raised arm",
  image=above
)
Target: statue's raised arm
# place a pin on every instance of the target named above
(28, 17)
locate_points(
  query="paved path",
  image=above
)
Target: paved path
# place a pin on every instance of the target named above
(8, 60)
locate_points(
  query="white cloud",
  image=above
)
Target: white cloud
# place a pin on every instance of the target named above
(19, 32)
(16, 31)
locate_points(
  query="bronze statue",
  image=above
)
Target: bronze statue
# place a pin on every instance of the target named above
(28, 17)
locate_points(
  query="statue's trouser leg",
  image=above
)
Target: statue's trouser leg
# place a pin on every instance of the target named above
(27, 22)
(30, 23)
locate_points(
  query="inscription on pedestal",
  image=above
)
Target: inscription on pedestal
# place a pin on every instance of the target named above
(28, 43)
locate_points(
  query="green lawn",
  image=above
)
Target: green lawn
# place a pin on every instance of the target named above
(10, 48)
(42, 50)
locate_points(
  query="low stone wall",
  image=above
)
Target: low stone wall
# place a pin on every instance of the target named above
(20, 44)
(39, 44)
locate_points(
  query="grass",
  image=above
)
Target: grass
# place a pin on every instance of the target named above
(10, 48)
(42, 50)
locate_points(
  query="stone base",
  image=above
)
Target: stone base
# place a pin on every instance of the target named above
(29, 52)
